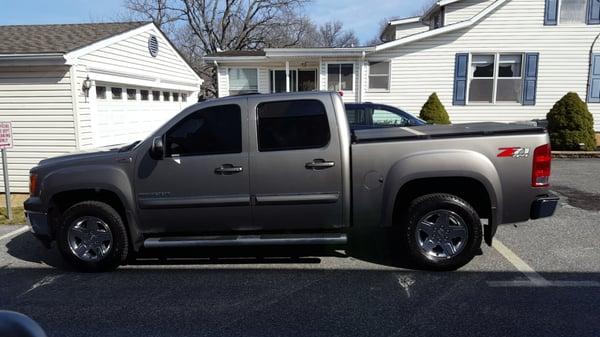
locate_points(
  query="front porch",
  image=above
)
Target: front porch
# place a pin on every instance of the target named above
(326, 70)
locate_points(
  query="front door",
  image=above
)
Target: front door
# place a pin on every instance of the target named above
(202, 183)
(295, 161)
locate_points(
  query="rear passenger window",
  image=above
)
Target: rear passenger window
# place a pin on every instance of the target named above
(214, 130)
(292, 125)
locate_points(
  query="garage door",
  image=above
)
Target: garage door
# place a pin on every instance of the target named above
(127, 114)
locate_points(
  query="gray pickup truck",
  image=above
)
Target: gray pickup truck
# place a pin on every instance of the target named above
(286, 169)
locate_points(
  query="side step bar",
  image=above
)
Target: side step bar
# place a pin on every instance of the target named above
(247, 240)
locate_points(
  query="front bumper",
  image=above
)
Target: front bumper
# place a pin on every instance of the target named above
(544, 206)
(36, 216)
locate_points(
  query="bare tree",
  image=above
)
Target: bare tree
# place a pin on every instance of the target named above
(332, 34)
(210, 26)
(424, 7)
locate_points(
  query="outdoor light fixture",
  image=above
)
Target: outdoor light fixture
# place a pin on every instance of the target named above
(87, 84)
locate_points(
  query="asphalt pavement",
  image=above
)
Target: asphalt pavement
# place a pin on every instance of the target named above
(541, 278)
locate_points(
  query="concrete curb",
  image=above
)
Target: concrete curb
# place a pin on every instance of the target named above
(575, 154)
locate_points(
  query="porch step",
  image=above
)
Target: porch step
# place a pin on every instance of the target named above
(247, 240)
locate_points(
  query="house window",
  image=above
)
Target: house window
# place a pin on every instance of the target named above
(496, 78)
(144, 95)
(117, 93)
(166, 96)
(156, 95)
(573, 11)
(379, 76)
(101, 92)
(340, 77)
(175, 97)
(243, 81)
(131, 93)
(184, 97)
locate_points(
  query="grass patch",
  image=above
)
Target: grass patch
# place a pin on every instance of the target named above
(18, 216)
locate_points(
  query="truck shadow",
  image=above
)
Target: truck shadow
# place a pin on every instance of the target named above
(365, 245)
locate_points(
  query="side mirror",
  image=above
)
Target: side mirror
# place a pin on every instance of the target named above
(157, 150)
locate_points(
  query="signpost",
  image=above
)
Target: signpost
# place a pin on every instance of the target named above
(6, 142)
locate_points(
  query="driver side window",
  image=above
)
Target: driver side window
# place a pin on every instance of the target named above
(386, 117)
(214, 130)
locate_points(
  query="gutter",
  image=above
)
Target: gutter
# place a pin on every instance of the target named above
(52, 58)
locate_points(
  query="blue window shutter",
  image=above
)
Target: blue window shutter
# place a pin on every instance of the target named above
(551, 14)
(460, 79)
(593, 17)
(594, 85)
(530, 78)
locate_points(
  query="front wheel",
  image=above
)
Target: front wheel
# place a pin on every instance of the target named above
(441, 232)
(92, 237)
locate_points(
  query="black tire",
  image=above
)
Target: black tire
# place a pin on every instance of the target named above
(117, 253)
(424, 205)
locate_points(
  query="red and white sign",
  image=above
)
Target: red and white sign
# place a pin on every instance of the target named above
(6, 141)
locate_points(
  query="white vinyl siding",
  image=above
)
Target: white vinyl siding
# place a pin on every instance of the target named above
(131, 56)
(425, 66)
(410, 29)
(465, 10)
(38, 102)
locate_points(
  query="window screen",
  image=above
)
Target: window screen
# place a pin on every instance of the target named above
(573, 11)
(144, 95)
(166, 96)
(214, 130)
(156, 95)
(292, 125)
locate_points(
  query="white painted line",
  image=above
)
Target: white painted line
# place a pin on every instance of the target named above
(521, 266)
(557, 284)
(534, 278)
(15, 232)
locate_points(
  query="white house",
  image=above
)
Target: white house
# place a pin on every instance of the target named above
(488, 60)
(72, 87)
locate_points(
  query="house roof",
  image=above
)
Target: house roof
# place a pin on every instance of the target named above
(58, 39)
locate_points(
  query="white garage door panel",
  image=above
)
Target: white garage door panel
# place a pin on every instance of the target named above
(124, 121)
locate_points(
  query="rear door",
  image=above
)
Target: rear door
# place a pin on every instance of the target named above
(295, 164)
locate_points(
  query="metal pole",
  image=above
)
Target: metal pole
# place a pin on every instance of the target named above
(6, 185)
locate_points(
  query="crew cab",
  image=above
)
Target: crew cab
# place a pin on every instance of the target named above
(287, 169)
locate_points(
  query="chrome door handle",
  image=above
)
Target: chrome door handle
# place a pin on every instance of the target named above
(319, 164)
(228, 169)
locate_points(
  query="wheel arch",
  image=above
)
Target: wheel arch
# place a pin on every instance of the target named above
(467, 174)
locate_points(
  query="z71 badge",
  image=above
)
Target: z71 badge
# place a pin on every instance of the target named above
(514, 152)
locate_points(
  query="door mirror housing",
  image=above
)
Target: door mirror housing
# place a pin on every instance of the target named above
(157, 150)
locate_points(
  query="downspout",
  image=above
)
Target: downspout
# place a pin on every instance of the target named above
(359, 98)
(75, 103)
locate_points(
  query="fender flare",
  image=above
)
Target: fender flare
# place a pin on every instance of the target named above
(440, 164)
(95, 177)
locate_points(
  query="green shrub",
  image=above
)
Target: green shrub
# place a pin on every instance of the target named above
(570, 123)
(433, 111)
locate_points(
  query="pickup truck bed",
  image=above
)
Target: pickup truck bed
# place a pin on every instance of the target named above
(442, 131)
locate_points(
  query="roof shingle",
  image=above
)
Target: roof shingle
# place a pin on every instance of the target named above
(41, 39)
(233, 53)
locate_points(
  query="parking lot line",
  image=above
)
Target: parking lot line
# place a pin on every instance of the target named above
(15, 232)
(534, 278)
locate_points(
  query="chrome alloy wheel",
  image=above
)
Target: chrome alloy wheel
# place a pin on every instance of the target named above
(441, 234)
(90, 238)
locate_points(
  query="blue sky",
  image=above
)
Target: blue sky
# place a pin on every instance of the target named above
(363, 16)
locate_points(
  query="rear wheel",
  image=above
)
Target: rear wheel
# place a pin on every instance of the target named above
(92, 237)
(441, 232)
